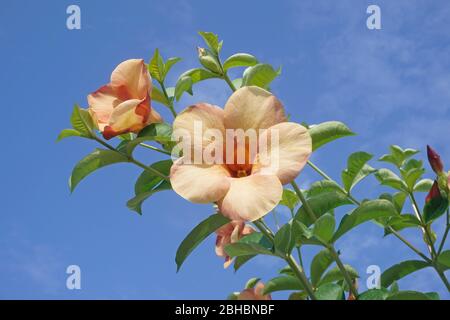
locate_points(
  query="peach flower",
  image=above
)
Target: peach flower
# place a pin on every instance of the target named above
(242, 191)
(123, 105)
(255, 293)
(230, 233)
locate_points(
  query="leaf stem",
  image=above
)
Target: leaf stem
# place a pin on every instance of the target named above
(131, 159)
(298, 270)
(171, 108)
(155, 148)
(336, 258)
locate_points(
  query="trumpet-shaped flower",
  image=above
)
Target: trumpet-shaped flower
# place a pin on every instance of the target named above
(247, 187)
(123, 105)
(227, 234)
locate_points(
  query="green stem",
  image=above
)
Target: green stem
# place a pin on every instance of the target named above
(131, 159)
(339, 263)
(425, 232)
(442, 276)
(228, 81)
(171, 108)
(447, 229)
(155, 149)
(298, 270)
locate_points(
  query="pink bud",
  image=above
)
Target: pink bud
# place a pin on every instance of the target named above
(435, 160)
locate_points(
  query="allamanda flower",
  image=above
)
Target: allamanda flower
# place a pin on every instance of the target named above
(123, 105)
(243, 190)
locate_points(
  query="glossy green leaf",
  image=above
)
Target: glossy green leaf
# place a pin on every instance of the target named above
(401, 270)
(92, 162)
(156, 66)
(183, 85)
(68, 133)
(320, 263)
(329, 291)
(401, 222)
(198, 74)
(241, 260)
(323, 186)
(374, 294)
(398, 155)
(423, 185)
(444, 259)
(135, 204)
(284, 239)
(434, 208)
(158, 96)
(212, 41)
(255, 243)
(388, 178)
(82, 122)
(321, 204)
(335, 274)
(282, 283)
(289, 199)
(197, 235)
(409, 295)
(169, 64)
(357, 169)
(239, 60)
(251, 283)
(327, 132)
(367, 211)
(324, 227)
(260, 75)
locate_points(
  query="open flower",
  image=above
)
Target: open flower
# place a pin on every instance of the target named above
(255, 293)
(123, 105)
(230, 233)
(244, 190)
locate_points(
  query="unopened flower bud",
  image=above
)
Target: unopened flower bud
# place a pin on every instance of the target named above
(208, 60)
(435, 160)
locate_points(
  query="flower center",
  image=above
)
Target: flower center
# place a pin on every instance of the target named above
(241, 165)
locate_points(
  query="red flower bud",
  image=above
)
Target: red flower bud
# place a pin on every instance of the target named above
(434, 192)
(435, 160)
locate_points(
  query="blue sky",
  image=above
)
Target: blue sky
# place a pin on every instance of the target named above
(391, 86)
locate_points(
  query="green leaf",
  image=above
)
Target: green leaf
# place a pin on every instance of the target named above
(255, 243)
(398, 156)
(319, 265)
(251, 283)
(327, 132)
(412, 176)
(68, 133)
(324, 228)
(435, 207)
(135, 204)
(335, 274)
(241, 260)
(237, 83)
(289, 199)
(184, 84)
(239, 60)
(321, 204)
(388, 178)
(169, 64)
(401, 222)
(432, 295)
(423, 185)
(400, 270)
(329, 291)
(198, 74)
(444, 259)
(323, 186)
(156, 67)
(149, 183)
(158, 96)
(409, 295)
(357, 169)
(212, 41)
(92, 162)
(374, 294)
(397, 199)
(367, 211)
(282, 283)
(260, 75)
(284, 239)
(82, 122)
(197, 235)
(301, 295)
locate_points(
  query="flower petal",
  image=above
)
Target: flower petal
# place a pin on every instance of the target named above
(251, 197)
(199, 183)
(286, 157)
(253, 107)
(129, 116)
(101, 104)
(202, 116)
(131, 80)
